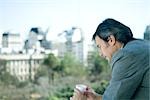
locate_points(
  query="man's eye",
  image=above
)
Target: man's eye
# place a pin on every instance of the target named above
(98, 46)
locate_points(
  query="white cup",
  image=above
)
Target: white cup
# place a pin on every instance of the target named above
(81, 87)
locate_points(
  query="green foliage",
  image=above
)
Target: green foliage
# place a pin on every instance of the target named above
(53, 97)
(63, 93)
(2, 66)
(51, 61)
(22, 84)
(6, 77)
(71, 66)
(100, 87)
(52, 64)
(41, 71)
(99, 64)
(55, 67)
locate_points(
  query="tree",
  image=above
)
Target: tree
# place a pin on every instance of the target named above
(2, 66)
(41, 72)
(52, 64)
(71, 66)
(56, 68)
(99, 65)
(5, 76)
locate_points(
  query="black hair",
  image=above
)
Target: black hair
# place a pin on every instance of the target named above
(121, 32)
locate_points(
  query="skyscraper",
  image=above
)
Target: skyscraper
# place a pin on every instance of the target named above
(147, 33)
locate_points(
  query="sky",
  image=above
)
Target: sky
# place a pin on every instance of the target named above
(58, 15)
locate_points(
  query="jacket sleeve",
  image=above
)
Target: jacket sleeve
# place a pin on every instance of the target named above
(126, 77)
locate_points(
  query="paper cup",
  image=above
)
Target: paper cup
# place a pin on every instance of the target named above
(81, 87)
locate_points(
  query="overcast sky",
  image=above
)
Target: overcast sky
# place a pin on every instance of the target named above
(59, 15)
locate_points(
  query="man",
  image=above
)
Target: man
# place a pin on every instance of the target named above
(129, 60)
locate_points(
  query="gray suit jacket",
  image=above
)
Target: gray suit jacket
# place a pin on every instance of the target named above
(130, 73)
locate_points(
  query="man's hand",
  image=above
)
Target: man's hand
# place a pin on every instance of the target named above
(90, 94)
(77, 95)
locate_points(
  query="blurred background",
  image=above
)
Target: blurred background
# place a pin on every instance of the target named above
(46, 46)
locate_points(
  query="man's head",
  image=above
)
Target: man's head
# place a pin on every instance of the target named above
(110, 35)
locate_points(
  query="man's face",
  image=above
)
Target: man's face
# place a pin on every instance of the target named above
(104, 48)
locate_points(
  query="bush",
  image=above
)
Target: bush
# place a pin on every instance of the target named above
(100, 87)
(63, 93)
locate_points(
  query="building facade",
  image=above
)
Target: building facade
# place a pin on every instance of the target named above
(37, 41)
(78, 49)
(23, 66)
(74, 43)
(91, 49)
(11, 43)
(147, 33)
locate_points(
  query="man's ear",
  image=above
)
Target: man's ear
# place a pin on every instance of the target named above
(111, 40)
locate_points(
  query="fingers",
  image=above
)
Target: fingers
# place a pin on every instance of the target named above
(77, 95)
(88, 94)
(71, 98)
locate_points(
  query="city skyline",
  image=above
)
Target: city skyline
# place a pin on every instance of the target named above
(21, 15)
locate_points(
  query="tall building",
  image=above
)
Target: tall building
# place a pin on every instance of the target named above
(22, 64)
(37, 41)
(11, 43)
(91, 50)
(147, 33)
(72, 44)
(60, 47)
(78, 50)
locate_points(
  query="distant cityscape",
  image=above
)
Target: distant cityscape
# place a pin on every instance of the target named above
(24, 57)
